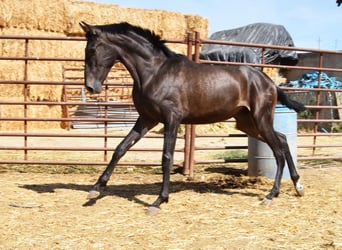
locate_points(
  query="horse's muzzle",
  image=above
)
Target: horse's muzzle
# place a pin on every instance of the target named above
(94, 88)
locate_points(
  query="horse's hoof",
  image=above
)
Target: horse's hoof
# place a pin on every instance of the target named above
(93, 194)
(299, 189)
(152, 210)
(266, 202)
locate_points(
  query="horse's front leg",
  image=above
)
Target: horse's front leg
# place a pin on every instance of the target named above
(170, 136)
(138, 131)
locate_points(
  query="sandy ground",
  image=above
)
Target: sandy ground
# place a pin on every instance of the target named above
(219, 209)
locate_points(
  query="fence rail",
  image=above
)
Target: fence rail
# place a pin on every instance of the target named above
(25, 145)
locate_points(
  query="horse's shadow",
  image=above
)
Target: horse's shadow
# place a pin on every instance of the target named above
(132, 191)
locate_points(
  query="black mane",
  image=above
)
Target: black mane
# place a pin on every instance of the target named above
(125, 28)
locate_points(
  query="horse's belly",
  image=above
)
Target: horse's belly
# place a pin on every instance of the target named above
(214, 106)
(209, 117)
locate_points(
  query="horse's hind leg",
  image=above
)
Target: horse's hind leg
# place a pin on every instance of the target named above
(278, 143)
(138, 131)
(292, 168)
(274, 143)
(263, 130)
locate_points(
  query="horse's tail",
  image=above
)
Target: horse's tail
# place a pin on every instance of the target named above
(288, 102)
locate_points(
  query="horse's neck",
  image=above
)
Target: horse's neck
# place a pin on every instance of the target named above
(142, 69)
(138, 55)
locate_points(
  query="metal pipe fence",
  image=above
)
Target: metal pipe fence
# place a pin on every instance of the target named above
(25, 144)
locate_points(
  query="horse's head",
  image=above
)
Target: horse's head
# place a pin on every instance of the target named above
(99, 58)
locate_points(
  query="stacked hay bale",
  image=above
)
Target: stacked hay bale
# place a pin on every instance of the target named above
(274, 74)
(61, 18)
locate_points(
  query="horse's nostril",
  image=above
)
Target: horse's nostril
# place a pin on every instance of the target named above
(90, 89)
(95, 88)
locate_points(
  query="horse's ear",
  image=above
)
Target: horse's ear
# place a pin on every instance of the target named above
(87, 28)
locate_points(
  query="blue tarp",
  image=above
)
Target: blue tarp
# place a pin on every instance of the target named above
(310, 80)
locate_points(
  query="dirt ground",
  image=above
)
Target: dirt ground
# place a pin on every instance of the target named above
(219, 209)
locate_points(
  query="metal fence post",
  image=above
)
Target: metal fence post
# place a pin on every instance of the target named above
(187, 135)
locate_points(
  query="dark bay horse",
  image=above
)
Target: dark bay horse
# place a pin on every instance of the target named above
(170, 89)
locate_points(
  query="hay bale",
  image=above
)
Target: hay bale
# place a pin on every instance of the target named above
(12, 48)
(197, 23)
(34, 15)
(35, 111)
(11, 111)
(274, 74)
(164, 23)
(45, 72)
(44, 111)
(63, 16)
(11, 70)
